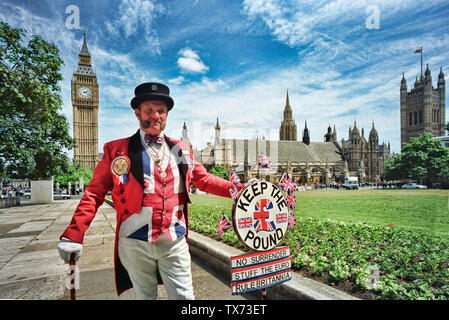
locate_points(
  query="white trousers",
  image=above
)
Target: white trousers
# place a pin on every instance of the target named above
(142, 260)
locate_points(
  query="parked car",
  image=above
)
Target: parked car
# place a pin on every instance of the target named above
(412, 185)
(27, 193)
(58, 195)
(351, 185)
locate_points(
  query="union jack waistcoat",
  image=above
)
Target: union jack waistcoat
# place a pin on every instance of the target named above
(163, 203)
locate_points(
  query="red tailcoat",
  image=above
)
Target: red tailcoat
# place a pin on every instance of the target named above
(127, 197)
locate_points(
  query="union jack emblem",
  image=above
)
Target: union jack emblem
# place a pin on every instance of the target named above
(291, 220)
(282, 217)
(234, 193)
(291, 201)
(262, 215)
(223, 225)
(233, 177)
(263, 161)
(287, 184)
(244, 223)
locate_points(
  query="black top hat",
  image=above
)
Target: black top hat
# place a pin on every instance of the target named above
(152, 91)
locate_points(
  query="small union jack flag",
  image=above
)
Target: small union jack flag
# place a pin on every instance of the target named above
(282, 217)
(233, 177)
(223, 225)
(234, 193)
(287, 184)
(291, 220)
(263, 161)
(244, 223)
(291, 201)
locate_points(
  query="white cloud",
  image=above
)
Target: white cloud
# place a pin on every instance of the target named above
(176, 81)
(137, 17)
(190, 62)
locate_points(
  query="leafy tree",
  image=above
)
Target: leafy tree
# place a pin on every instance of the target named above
(393, 168)
(220, 171)
(73, 174)
(34, 137)
(421, 159)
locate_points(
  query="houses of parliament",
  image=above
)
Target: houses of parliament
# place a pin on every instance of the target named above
(308, 162)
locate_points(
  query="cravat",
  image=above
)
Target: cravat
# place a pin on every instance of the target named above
(153, 139)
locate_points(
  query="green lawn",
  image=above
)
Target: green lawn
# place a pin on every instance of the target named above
(342, 236)
(423, 210)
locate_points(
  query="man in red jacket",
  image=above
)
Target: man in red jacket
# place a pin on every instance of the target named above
(149, 175)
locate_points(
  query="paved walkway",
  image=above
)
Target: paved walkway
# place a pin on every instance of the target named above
(30, 266)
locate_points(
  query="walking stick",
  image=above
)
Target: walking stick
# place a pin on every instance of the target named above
(72, 277)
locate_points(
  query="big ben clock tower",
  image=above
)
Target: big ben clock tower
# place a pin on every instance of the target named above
(85, 101)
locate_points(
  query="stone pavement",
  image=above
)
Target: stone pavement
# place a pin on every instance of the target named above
(30, 266)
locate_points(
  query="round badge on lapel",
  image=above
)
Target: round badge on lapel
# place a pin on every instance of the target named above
(120, 166)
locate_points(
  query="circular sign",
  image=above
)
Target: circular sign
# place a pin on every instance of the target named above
(120, 165)
(260, 215)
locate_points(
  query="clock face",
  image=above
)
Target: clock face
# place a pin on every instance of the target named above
(84, 92)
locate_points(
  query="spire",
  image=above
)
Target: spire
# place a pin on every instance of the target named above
(403, 84)
(288, 114)
(217, 126)
(427, 73)
(84, 51)
(305, 134)
(185, 135)
(288, 129)
(84, 60)
(217, 141)
(334, 135)
(355, 131)
(328, 135)
(441, 81)
(373, 135)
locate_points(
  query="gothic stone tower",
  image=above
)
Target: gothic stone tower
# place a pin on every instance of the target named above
(365, 156)
(424, 107)
(287, 131)
(85, 101)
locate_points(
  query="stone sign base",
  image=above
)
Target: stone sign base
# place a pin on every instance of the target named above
(42, 191)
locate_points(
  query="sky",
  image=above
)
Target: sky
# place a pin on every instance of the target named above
(341, 61)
